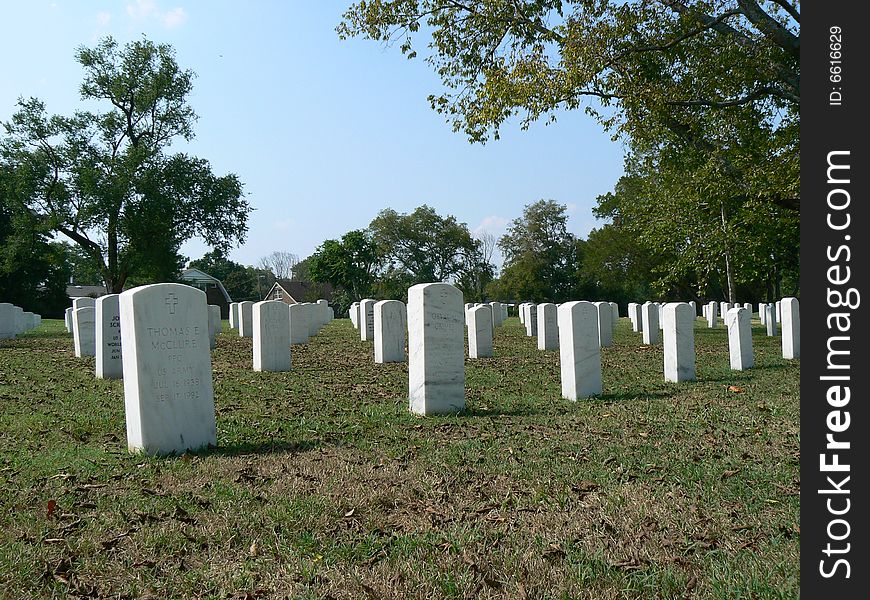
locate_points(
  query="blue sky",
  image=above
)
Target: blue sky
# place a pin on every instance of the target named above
(324, 133)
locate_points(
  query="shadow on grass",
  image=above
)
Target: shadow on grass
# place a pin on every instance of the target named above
(609, 399)
(272, 447)
(745, 375)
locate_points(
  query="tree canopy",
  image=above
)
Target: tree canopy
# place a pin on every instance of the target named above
(704, 94)
(107, 181)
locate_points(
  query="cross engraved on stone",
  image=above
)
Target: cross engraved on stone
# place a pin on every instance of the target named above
(171, 301)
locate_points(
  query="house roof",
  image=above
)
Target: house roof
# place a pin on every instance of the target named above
(298, 290)
(85, 291)
(197, 276)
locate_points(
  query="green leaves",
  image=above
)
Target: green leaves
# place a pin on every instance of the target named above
(105, 180)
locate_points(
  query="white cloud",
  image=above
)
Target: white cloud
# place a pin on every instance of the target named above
(142, 9)
(174, 17)
(282, 224)
(103, 18)
(493, 224)
(571, 207)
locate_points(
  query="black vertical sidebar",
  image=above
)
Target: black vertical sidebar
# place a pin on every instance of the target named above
(835, 225)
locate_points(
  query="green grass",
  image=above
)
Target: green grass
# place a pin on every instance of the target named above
(324, 486)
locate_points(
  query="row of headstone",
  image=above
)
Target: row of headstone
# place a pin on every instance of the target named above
(167, 370)
(306, 319)
(96, 328)
(14, 320)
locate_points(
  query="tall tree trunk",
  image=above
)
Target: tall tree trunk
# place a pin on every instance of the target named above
(729, 268)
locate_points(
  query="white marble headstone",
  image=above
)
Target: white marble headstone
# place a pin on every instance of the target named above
(479, 320)
(234, 315)
(367, 320)
(84, 331)
(390, 324)
(168, 390)
(605, 324)
(83, 302)
(436, 349)
(531, 320)
(214, 324)
(770, 319)
(7, 321)
(548, 326)
(353, 312)
(637, 317)
(712, 307)
(298, 323)
(679, 341)
(579, 354)
(651, 329)
(497, 315)
(107, 316)
(246, 319)
(271, 339)
(791, 328)
(739, 325)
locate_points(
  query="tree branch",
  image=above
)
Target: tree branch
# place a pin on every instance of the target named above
(789, 8)
(771, 28)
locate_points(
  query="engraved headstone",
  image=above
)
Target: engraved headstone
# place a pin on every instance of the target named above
(298, 323)
(739, 325)
(107, 316)
(390, 324)
(246, 319)
(651, 331)
(436, 349)
(7, 321)
(234, 315)
(353, 312)
(531, 320)
(67, 319)
(84, 331)
(214, 324)
(548, 326)
(271, 339)
(367, 320)
(791, 328)
(168, 390)
(480, 331)
(679, 341)
(605, 324)
(770, 319)
(579, 354)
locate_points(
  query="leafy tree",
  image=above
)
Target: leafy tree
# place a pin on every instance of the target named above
(349, 264)
(424, 245)
(300, 271)
(504, 58)
(540, 255)
(82, 269)
(706, 89)
(33, 274)
(619, 267)
(106, 180)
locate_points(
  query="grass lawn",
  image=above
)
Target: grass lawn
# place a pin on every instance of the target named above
(323, 485)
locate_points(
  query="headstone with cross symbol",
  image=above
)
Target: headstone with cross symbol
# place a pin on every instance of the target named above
(168, 389)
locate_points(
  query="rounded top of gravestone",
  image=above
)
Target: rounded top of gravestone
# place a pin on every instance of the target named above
(431, 290)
